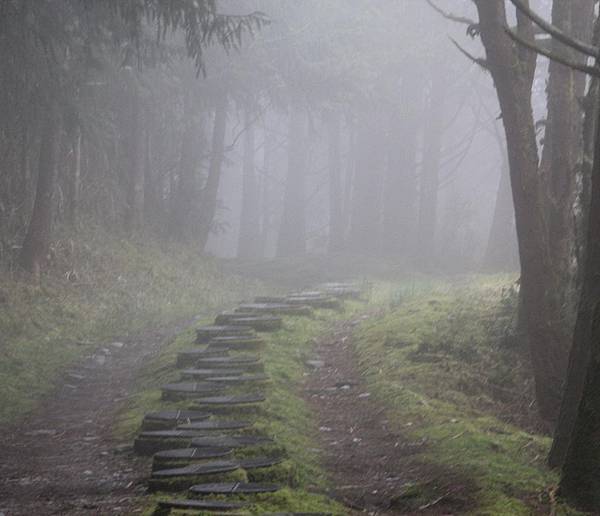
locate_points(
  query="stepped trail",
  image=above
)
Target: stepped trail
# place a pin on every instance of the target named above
(63, 459)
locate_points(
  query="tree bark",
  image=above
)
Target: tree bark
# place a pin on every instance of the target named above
(292, 232)
(210, 191)
(399, 206)
(36, 247)
(249, 234)
(580, 482)
(336, 221)
(580, 351)
(75, 177)
(365, 227)
(512, 69)
(501, 252)
(429, 184)
(134, 204)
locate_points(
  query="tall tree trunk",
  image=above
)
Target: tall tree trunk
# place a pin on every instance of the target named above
(512, 69)
(399, 208)
(210, 191)
(292, 232)
(249, 235)
(580, 351)
(365, 230)
(265, 201)
(135, 164)
(182, 216)
(74, 184)
(336, 221)
(34, 253)
(429, 184)
(580, 482)
(501, 252)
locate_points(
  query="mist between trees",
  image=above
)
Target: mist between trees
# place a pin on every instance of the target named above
(412, 131)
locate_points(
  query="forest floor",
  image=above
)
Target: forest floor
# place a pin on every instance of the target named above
(417, 402)
(63, 458)
(364, 455)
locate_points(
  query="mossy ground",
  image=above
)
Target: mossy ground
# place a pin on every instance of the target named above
(96, 290)
(443, 361)
(284, 416)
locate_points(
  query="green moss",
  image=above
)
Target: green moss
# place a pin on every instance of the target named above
(284, 416)
(120, 288)
(439, 360)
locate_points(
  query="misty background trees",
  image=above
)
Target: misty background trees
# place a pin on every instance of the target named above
(325, 134)
(275, 129)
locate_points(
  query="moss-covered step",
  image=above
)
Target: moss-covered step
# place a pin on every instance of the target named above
(185, 390)
(341, 290)
(180, 457)
(206, 374)
(257, 322)
(243, 379)
(322, 302)
(149, 443)
(280, 471)
(250, 403)
(233, 488)
(205, 333)
(179, 479)
(233, 343)
(245, 362)
(197, 506)
(169, 419)
(217, 425)
(188, 357)
(274, 309)
(231, 441)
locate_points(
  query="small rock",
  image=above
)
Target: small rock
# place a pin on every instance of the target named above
(87, 472)
(324, 429)
(315, 364)
(364, 395)
(117, 345)
(100, 359)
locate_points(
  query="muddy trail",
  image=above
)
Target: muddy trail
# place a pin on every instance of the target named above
(64, 459)
(372, 466)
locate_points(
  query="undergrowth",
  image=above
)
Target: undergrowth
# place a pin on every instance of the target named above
(97, 289)
(444, 361)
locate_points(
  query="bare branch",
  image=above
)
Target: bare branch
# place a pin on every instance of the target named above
(590, 70)
(477, 60)
(554, 31)
(450, 16)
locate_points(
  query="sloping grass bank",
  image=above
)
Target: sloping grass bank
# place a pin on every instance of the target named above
(98, 289)
(457, 385)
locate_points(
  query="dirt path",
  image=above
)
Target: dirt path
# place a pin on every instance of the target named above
(63, 459)
(369, 462)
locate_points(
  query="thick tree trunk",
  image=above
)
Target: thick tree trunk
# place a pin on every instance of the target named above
(336, 221)
(580, 350)
(580, 481)
(36, 247)
(292, 232)
(210, 191)
(249, 235)
(399, 207)
(512, 69)
(429, 184)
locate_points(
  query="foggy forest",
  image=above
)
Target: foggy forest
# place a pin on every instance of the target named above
(299, 257)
